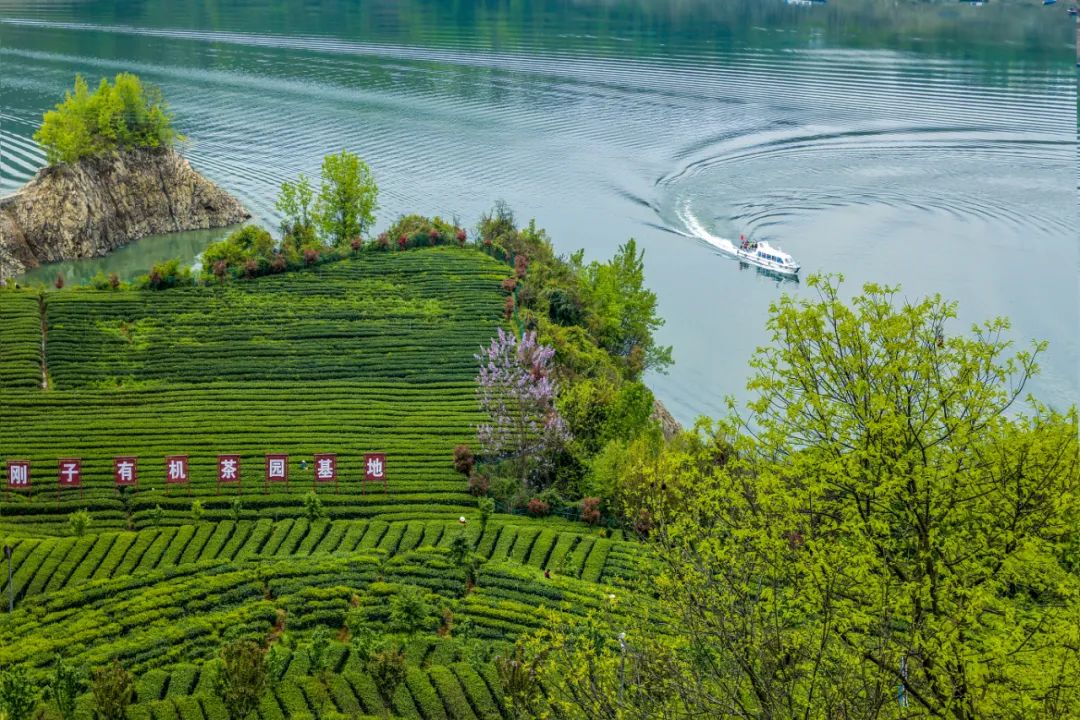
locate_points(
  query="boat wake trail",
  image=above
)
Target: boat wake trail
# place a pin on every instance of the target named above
(697, 230)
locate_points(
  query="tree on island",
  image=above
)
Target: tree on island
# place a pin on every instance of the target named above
(121, 115)
(886, 535)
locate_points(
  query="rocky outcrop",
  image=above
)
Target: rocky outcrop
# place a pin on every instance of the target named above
(88, 208)
(669, 426)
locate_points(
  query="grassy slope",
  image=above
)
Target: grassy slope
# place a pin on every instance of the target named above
(372, 354)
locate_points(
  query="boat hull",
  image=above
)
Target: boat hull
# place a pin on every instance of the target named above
(752, 259)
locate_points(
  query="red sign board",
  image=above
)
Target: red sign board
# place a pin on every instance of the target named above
(18, 474)
(228, 468)
(326, 467)
(126, 471)
(176, 469)
(70, 472)
(277, 468)
(375, 469)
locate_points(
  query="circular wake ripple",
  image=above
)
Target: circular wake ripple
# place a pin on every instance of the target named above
(768, 183)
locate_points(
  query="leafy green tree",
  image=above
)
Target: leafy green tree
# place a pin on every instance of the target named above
(624, 315)
(18, 694)
(197, 511)
(313, 506)
(348, 198)
(410, 610)
(113, 689)
(295, 202)
(387, 668)
(66, 685)
(881, 537)
(122, 115)
(319, 651)
(78, 521)
(242, 678)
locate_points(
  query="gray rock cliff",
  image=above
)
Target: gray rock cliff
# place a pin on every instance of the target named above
(91, 207)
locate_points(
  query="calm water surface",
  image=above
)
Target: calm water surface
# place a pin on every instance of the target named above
(928, 146)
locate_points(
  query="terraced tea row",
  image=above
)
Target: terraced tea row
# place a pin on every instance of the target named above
(455, 691)
(181, 614)
(416, 316)
(54, 564)
(20, 340)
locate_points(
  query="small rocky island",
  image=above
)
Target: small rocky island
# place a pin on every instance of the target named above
(109, 182)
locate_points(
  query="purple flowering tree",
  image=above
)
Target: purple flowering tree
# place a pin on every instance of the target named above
(517, 392)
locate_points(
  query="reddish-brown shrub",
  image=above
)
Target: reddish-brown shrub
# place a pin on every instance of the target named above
(278, 264)
(251, 268)
(59, 283)
(383, 241)
(479, 485)
(464, 460)
(461, 236)
(590, 510)
(114, 280)
(521, 264)
(155, 279)
(220, 268)
(508, 307)
(356, 244)
(434, 235)
(401, 242)
(311, 256)
(538, 508)
(509, 284)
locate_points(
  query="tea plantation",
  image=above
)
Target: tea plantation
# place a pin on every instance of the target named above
(369, 354)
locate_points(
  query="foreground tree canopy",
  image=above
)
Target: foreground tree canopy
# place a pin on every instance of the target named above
(121, 115)
(886, 534)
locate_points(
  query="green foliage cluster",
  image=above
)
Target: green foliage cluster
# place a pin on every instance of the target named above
(121, 115)
(600, 318)
(886, 534)
(242, 677)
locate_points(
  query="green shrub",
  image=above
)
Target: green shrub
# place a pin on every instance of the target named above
(65, 687)
(242, 677)
(18, 694)
(388, 669)
(78, 521)
(410, 610)
(113, 690)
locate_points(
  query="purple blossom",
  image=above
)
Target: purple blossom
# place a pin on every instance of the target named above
(517, 392)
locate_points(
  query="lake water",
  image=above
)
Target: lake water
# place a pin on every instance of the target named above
(932, 146)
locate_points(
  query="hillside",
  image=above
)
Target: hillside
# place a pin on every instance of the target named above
(360, 356)
(372, 354)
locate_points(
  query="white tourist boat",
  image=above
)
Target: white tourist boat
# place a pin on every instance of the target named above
(766, 256)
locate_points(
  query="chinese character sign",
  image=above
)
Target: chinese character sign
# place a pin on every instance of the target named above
(176, 469)
(18, 474)
(70, 472)
(375, 470)
(375, 467)
(277, 468)
(326, 468)
(228, 468)
(126, 471)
